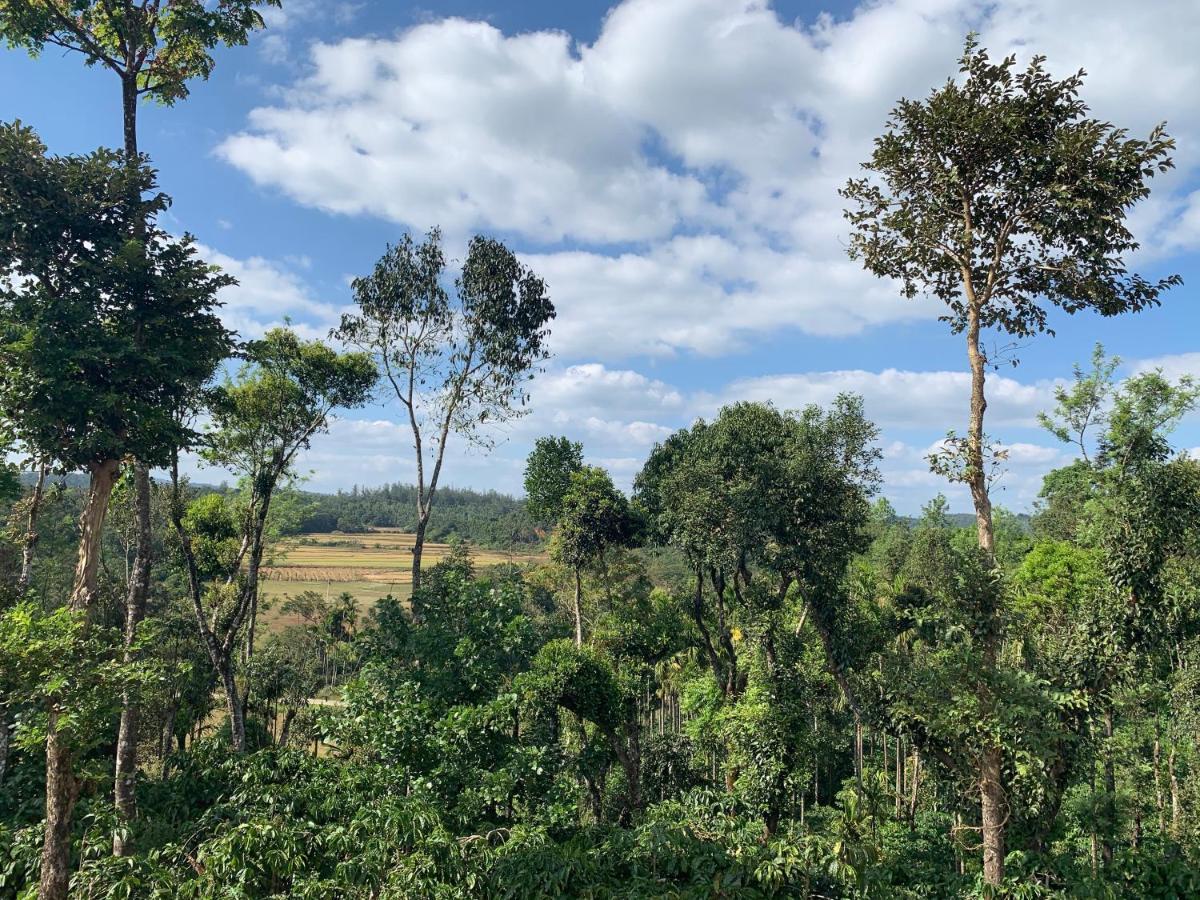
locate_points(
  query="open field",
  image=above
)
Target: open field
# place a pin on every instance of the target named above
(367, 566)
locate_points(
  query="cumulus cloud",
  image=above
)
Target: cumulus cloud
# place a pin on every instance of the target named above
(267, 294)
(1173, 366)
(676, 180)
(619, 414)
(899, 399)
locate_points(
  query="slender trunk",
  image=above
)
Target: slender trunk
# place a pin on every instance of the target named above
(27, 550)
(993, 806)
(31, 532)
(976, 473)
(249, 599)
(418, 548)
(994, 814)
(129, 115)
(4, 744)
(915, 786)
(233, 703)
(167, 734)
(858, 752)
(1159, 803)
(62, 789)
(1110, 788)
(578, 608)
(286, 729)
(135, 611)
(1174, 782)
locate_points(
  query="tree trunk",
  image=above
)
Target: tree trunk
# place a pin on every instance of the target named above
(31, 533)
(976, 473)
(286, 729)
(628, 752)
(1110, 788)
(91, 526)
(1174, 782)
(135, 610)
(418, 548)
(5, 738)
(578, 608)
(62, 789)
(61, 785)
(994, 810)
(1159, 803)
(129, 96)
(915, 785)
(233, 703)
(993, 806)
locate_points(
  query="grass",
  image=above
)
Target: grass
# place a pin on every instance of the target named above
(367, 566)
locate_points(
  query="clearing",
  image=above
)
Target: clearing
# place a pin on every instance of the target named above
(368, 566)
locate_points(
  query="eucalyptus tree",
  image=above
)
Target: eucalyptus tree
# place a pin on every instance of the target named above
(283, 396)
(79, 385)
(456, 364)
(1002, 197)
(593, 520)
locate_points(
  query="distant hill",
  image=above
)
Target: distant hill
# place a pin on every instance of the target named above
(486, 518)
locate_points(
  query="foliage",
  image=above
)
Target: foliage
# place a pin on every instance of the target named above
(548, 473)
(157, 47)
(102, 337)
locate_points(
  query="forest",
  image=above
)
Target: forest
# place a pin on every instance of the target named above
(746, 677)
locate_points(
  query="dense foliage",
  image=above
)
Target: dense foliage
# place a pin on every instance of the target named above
(751, 678)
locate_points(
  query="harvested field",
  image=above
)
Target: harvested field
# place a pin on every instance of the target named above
(367, 566)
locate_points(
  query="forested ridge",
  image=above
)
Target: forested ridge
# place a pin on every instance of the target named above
(747, 676)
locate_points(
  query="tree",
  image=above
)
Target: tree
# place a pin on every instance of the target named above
(1000, 196)
(593, 519)
(283, 396)
(154, 49)
(548, 472)
(81, 386)
(456, 365)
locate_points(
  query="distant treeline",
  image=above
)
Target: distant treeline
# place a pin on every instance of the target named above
(486, 518)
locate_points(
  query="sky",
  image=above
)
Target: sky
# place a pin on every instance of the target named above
(670, 167)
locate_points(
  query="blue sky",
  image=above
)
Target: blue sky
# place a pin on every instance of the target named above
(670, 167)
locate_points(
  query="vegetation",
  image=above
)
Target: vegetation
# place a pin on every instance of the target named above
(751, 678)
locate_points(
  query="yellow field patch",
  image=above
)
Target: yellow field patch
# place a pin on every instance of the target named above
(367, 566)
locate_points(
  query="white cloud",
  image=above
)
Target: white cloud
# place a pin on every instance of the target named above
(900, 399)
(909, 483)
(679, 175)
(1173, 366)
(266, 294)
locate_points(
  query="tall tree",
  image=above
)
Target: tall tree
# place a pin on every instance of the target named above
(81, 385)
(283, 397)
(548, 472)
(456, 364)
(154, 49)
(1000, 195)
(593, 519)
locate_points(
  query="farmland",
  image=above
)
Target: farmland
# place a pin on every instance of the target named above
(368, 566)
